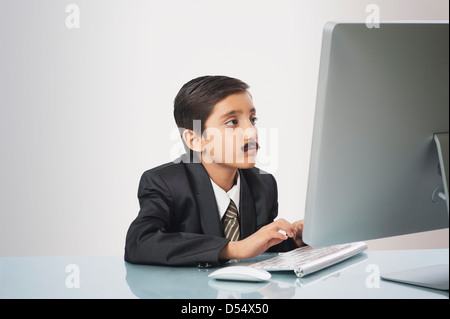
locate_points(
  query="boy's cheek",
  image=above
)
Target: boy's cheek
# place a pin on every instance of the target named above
(216, 151)
(233, 151)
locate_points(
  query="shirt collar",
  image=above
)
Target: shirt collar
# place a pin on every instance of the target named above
(223, 198)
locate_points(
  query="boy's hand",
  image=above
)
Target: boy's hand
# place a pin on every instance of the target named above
(262, 240)
(298, 225)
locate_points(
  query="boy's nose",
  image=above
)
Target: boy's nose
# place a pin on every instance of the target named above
(251, 132)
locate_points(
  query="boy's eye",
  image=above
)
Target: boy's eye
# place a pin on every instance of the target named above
(254, 120)
(231, 123)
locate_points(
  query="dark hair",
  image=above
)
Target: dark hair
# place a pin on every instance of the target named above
(196, 99)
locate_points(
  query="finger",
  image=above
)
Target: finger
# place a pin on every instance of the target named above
(286, 227)
(282, 232)
(298, 227)
(279, 235)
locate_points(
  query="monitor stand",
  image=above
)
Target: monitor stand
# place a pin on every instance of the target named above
(442, 140)
(436, 276)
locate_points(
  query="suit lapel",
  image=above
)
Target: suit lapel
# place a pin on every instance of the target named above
(247, 212)
(206, 200)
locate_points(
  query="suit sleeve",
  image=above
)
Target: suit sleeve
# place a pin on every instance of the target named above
(150, 240)
(289, 243)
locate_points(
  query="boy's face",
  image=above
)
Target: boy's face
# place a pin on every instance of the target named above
(230, 135)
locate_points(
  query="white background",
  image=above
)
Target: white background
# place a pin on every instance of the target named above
(84, 112)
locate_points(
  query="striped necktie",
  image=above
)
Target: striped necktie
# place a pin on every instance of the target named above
(231, 222)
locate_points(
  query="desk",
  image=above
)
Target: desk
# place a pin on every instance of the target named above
(111, 277)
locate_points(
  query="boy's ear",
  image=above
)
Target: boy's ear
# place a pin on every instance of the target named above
(192, 140)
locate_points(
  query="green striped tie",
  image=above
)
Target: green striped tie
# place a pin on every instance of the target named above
(231, 222)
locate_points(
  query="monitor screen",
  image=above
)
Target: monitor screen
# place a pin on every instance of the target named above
(382, 95)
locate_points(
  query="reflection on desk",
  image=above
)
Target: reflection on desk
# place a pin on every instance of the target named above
(142, 281)
(111, 277)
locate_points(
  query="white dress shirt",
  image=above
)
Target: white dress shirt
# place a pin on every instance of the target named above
(223, 198)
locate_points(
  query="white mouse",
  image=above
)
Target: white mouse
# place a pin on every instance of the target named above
(240, 273)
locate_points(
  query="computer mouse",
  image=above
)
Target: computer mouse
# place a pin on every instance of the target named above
(240, 273)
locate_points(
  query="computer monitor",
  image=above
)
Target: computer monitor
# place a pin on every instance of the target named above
(377, 167)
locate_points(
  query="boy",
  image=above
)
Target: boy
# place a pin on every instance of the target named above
(211, 205)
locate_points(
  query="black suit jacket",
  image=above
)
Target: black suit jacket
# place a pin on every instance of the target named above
(178, 222)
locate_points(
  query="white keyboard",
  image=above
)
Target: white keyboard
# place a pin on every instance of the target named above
(306, 260)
